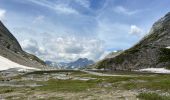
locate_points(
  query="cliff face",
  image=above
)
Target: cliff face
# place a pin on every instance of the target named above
(7, 40)
(151, 51)
(11, 49)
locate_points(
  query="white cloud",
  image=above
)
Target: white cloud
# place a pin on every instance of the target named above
(114, 34)
(135, 30)
(2, 13)
(39, 19)
(65, 9)
(62, 8)
(30, 45)
(104, 55)
(72, 48)
(84, 3)
(123, 10)
(65, 48)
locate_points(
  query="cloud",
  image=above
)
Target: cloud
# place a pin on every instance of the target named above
(65, 48)
(58, 7)
(72, 48)
(90, 34)
(123, 10)
(135, 30)
(65, 9)
(2, 13)
(31, 46)
(39, 19)
(115, 35)
(84, 3)
(104, 55)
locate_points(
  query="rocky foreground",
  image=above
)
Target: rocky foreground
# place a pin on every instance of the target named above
(83, 85)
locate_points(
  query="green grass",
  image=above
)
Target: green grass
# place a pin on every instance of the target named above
(6, 90)
(67, 85)
(152, 96)
(165, 55)
(148, 81)
(141, 81)
(130, 86)
(167, 67)
(157, 82)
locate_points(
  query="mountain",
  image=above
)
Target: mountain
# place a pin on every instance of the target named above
(79, 63)
(54, 65)
(11, 49)
(151, 52)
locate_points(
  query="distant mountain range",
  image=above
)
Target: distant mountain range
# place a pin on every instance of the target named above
(79, 63)
(11, 49)
(151, 52)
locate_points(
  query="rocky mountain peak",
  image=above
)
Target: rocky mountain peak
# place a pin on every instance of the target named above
(8, 40)
(151, 51)
(11, 49)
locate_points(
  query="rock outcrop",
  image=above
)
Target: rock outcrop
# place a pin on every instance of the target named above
(11, 49)
(151, 51)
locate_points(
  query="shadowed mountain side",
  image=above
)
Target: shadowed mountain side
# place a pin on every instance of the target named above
(11, 49)
(151, 51)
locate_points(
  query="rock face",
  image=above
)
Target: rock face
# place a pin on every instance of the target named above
(11, 49)
(151, 51)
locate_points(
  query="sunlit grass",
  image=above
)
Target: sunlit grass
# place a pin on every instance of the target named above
(67, 85)
(152, 96)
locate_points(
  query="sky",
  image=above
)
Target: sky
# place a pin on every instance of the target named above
(65, 30)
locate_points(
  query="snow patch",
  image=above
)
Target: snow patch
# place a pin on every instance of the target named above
(6, 64)
(168, 47)
(155, 70)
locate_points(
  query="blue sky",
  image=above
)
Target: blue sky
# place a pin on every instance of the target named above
(65, 30)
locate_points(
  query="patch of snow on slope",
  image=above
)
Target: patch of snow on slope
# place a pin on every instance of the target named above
(6, 64)
(155, 70)
(168, 47)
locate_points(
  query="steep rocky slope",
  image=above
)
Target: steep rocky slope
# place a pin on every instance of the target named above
(11, 49)
(152, 51)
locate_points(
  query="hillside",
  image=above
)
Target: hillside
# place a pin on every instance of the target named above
(11, 49)
(151, 52)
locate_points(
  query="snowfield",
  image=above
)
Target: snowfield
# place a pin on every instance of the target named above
(168, 47)
(155, 70)
(6, 64)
